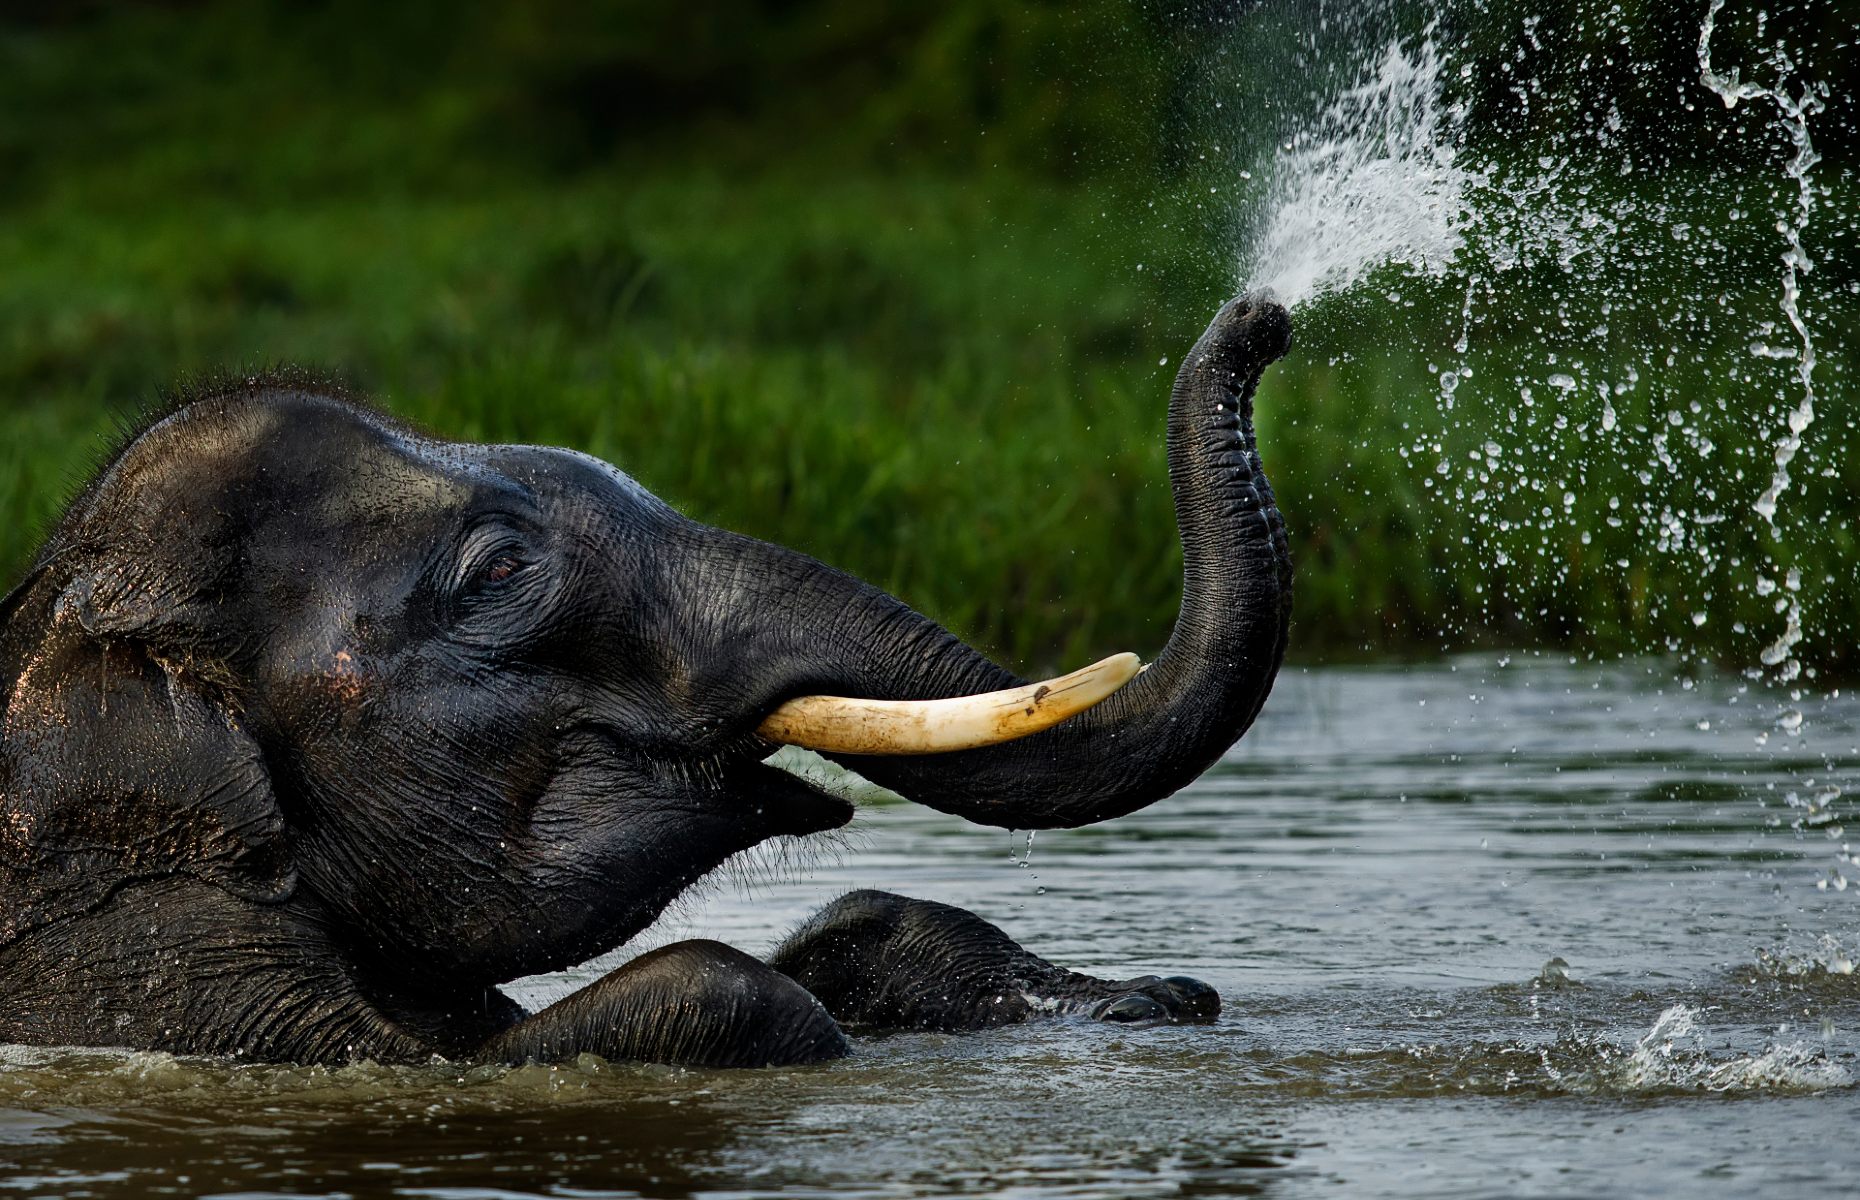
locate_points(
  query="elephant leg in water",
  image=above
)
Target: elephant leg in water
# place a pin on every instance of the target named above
(870, 961)
(882, 962)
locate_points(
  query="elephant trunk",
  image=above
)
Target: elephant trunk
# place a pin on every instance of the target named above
(805, 628)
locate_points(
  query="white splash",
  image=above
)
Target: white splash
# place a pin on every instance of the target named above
(1830, 957)
(1672, 1057)
(1374, 180)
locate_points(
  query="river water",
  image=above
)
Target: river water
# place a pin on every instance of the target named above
(1376, 880)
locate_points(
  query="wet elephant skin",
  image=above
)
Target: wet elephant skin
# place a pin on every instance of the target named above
(318, 728)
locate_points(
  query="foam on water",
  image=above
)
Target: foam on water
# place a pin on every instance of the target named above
(1374, 179)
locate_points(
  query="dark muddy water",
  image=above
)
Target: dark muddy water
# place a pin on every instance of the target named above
(1376, 881)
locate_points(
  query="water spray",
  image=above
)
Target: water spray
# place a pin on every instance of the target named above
(1575, 428)
(1795, 112)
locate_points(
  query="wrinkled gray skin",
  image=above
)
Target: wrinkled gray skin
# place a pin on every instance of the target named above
(317, 729)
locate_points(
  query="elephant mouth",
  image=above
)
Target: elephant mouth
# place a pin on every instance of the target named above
(733, 785)
(786, 804)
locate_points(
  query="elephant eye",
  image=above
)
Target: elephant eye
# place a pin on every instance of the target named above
(488, 565)
(500, 567)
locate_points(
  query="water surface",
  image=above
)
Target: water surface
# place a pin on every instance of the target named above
(1375, 879)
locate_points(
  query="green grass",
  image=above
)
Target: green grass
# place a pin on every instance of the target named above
(946, 377)
(901, 396)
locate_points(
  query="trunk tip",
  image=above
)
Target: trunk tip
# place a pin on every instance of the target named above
(1254, 324)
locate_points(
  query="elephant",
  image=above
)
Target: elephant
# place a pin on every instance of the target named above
(318, 728)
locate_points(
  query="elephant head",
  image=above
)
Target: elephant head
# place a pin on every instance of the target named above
(487, 709)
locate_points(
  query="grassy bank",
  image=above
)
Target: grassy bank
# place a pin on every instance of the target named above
(946, 377)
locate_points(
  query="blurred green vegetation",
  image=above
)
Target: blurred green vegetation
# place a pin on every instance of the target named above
(902, 286)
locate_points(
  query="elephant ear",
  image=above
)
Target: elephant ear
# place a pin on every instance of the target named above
(123, 758)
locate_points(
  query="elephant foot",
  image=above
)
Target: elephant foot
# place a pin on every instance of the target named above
(697, 1003)
(1158, 1000)
(881, 961)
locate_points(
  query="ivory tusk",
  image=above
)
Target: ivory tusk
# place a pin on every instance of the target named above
(842, 725)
